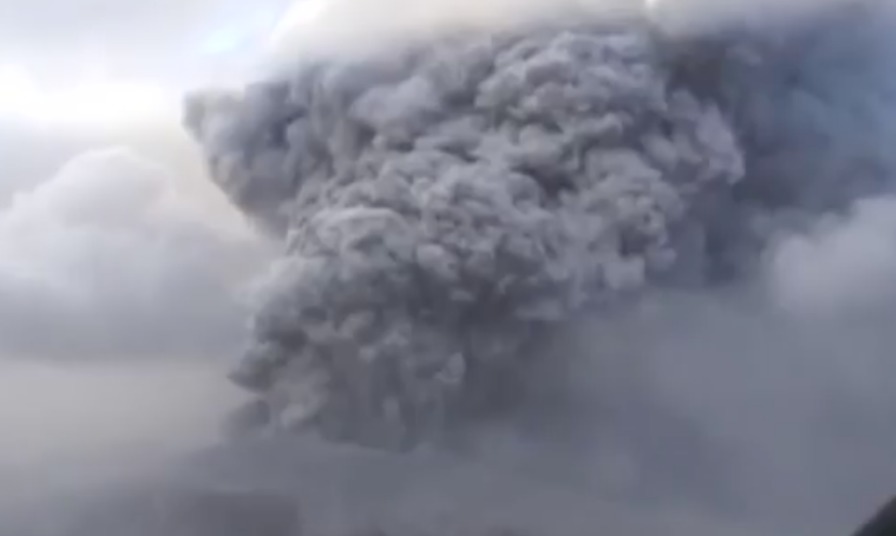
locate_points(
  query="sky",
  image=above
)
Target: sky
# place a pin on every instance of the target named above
(136, 39)
(80, 74)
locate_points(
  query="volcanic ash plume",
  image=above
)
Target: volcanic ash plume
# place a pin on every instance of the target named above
(441, 206)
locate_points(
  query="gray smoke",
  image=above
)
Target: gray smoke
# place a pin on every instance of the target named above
(600, 217)
(442, 206)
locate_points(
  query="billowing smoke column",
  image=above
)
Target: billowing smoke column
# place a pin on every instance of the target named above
(443, 206)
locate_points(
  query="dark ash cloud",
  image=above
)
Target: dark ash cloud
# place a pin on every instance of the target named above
(455, 210)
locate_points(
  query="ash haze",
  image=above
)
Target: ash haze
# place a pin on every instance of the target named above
(573, 267)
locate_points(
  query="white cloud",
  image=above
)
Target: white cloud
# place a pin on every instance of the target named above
(349, 24)
(108, 257)
(843, 265)
(88, 102)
